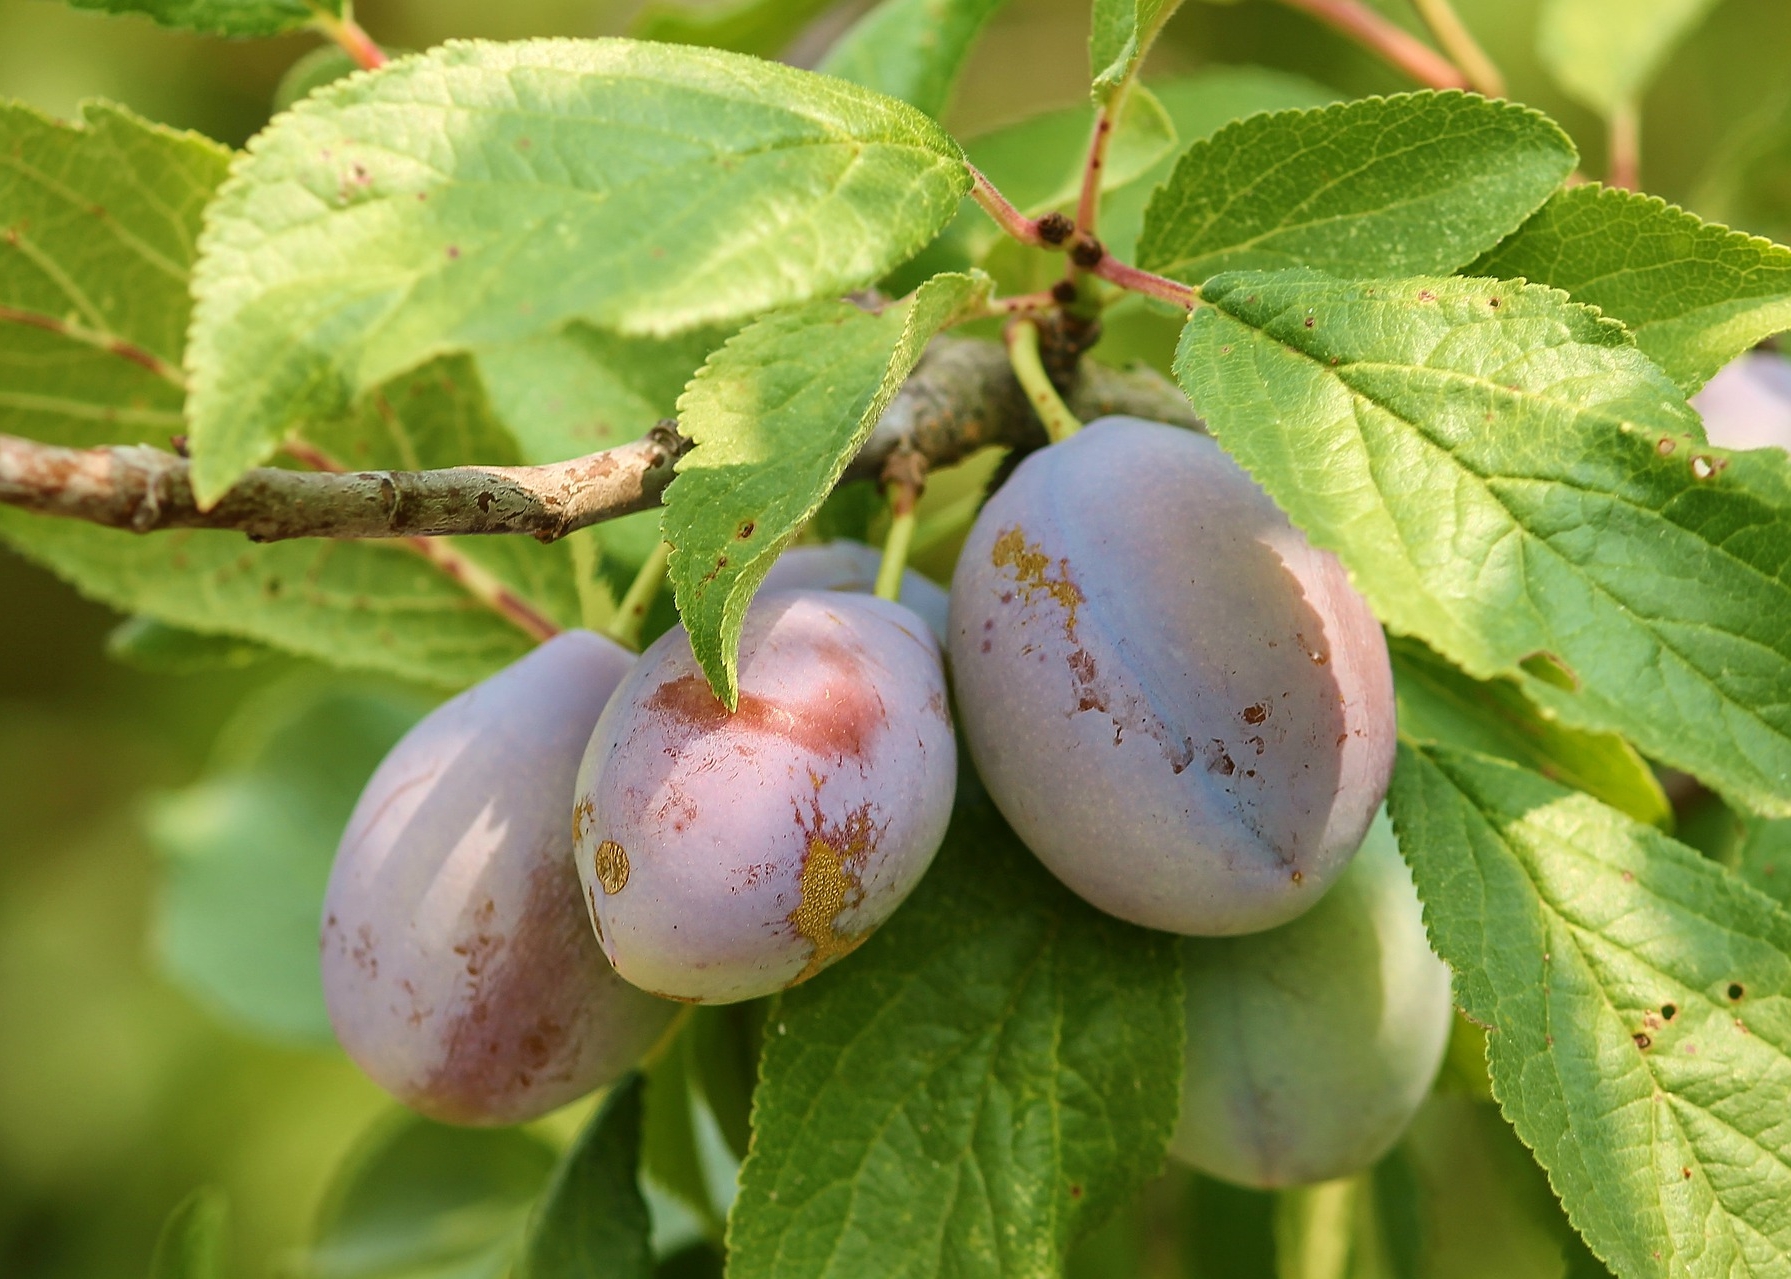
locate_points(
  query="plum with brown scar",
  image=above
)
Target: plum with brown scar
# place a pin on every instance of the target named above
(730, 855)
(1179, 703)
(457, 965)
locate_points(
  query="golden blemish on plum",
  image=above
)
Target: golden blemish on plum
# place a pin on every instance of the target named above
(611, 865)
(583, 814)
(829, 884)
(1030, 566)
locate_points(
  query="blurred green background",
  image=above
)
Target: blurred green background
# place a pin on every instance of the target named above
(117, 1092)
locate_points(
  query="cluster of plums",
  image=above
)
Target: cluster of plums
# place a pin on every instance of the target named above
(1179, 704)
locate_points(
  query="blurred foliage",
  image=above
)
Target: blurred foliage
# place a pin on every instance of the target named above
(119, 1095)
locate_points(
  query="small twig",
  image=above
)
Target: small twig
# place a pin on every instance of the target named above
(1112, 270)
(1392, 43)
(348, 34)
(1023, 353)
(962, 398)
(631, 613)
(1088, 202)
(1459, 43)
(1040, 233)
(1625, 160)
(471, 576)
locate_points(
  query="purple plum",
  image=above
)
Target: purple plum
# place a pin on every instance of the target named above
(845, 565)
(1179, 703)
(730, 855)
(1312, 1045)
(458, 968)
(1747, 405)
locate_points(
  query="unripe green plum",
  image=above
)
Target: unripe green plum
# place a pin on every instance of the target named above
(730, 855)
(1178, 702)
(458, 968)
(846, 565)
(1312, 1045)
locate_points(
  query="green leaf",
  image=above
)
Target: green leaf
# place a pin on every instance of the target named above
(1120, 33)
(1438, 703)
(1198, 106)
(222, 17)
(156, 647)
(642, 188)
(191, 1245)
(1421, 182)
(669, 1154)
(1746, 181)
(421, 1200)
(1510, 481)
(911, 49)
(246, 851)
(762, 27)
(989, 1077)
(592, 1220)
(1637, 996)
(1605, 52)
(1695, 295)
(372, 606)
(776, 415)
(1764, 858)
(97, 225)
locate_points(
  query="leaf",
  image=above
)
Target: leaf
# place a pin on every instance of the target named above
(911, 49)
(1695, 295)
(1420, 182)
(97, 225)
(191, 1245)
(421, 1200)
(371, 606)
(1764, 858)
(1510, 481)
(669, 1154)
(1605, 52)
(246, 851)
(991, 1075)
(1637, 995)
(1438, 703)
(592, 1220)
(156, 647)
(776, 415)
(762, 27)
(223, 17)
(1120, 33)
(642, 188)
(1198, 106)
(1746, 180)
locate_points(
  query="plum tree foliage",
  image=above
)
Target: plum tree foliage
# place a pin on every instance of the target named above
(1421, 511)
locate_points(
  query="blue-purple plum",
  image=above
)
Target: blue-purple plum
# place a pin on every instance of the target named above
(730, 855)
(458, 967)
(846, 565)
(1312, 1045)
(1178, 702)
(1747, 405)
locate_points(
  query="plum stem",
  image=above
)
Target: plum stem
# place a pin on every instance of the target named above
(631, 613)
(1005, 215)
(904, 479)
(1458, 42)
(1022, 337)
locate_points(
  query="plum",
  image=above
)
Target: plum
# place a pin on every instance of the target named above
(846, 565)
(1312, 1045)
(458, 968)
(1179, 704)
(1747, 405)
(730, 855)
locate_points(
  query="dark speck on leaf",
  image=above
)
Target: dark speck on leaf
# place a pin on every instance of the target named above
(1736, 990)
(453, 250)
(1669, 1011)
(1642, 1041)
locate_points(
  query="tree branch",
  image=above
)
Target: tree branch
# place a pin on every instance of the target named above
(962, 398)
